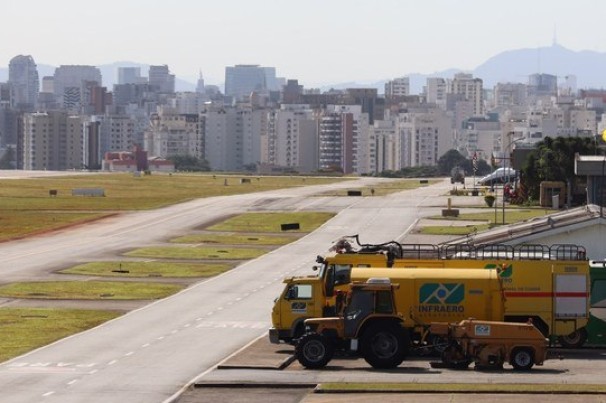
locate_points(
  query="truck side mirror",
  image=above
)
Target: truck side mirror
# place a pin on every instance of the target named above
(319, 259)
(291, 293)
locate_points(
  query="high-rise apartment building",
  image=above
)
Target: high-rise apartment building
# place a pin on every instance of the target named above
(388, 145)
(161, 80)
(470, 88)
(174, 134)
(398, 87)
(52, 140)
(232, 136)
(435, 91)
(243, 79)
(223, 147)
(425, 136)
(344, 141)
(291, 139)
(24, 83)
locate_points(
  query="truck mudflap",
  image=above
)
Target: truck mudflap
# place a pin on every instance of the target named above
(274, 336)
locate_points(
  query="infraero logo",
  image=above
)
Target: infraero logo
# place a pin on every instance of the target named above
(442, 293)
(504, 271)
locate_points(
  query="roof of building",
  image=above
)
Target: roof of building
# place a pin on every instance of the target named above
(538, 227)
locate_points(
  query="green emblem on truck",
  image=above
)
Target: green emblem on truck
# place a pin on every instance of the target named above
(504, 272)
(441, 293)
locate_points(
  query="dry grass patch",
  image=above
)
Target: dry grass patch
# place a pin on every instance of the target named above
(24, 330)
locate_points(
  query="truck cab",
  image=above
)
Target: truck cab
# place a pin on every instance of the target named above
(308, 297)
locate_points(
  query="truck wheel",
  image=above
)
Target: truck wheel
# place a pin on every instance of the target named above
(575, 339)
(522, 359)
(314, 351)
(384, 346)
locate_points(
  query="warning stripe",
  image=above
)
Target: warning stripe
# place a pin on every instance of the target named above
(537, 294)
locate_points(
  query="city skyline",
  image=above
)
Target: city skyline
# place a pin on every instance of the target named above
(315, 42)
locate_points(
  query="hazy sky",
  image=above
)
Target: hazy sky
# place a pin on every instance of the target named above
(315, 41)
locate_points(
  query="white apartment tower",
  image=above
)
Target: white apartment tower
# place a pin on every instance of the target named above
(424, 137)
(232, 136)
(291, 139)
(436, 91)
(470, 88)
(174, 134)
(388, 145)
(397, 87)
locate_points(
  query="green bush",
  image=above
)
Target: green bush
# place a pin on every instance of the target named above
(489, 199)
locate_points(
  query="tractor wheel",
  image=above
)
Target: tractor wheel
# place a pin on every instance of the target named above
(575, 339)
(522, 359)
(314, 351)
(384, 346)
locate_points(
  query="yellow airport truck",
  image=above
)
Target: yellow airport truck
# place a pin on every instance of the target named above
(546, 284)
(424, 295)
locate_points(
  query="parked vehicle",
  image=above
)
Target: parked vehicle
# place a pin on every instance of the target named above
(369, 325)
(546, 284)
(491, 344)
(500, 175)
(457, 174)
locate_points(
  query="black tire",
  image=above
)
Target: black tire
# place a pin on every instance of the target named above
(522, 359)
(314, 351)
(438, 344)
(384, 346)
(575, 339)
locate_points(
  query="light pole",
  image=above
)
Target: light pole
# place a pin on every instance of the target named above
(507, 175)
(602, 186)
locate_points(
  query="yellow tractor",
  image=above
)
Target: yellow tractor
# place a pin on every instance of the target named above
(491, 344)
(368, 325)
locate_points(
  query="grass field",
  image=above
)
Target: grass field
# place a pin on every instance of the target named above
(27, 208)
(148, 269)
(236, 239)
(197, 252)
(271, 222)
(382, 189)
(26, 329)
(88, 290)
